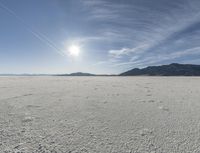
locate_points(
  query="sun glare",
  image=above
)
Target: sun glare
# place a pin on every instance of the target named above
(74, 50)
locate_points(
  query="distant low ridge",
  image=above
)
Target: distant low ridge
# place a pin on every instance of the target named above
(173, 69)
(78, 74)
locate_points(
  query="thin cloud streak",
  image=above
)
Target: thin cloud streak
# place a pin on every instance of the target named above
(113, 35)
(155, 32)
(33, 31)
(160, 58)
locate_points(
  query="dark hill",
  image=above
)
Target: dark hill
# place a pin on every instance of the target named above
(173, 69)
(81, 74)
(77, 74)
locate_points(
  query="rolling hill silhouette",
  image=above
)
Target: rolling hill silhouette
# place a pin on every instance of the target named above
(173, 69)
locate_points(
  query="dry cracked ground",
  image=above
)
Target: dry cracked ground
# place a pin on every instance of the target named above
(99, 115)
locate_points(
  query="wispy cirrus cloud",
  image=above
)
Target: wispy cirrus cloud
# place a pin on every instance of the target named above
(160, 58)
(126, 51)
(112, 34)
(135, 33)
(169, 30)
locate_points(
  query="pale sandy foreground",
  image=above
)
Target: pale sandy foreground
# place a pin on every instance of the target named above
(100, 114)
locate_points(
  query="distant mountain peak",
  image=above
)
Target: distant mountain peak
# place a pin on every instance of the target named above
(77, 74)
(175, 64)
(173, 69)
(81, 74)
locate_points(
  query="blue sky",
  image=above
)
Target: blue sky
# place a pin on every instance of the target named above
(113, 35)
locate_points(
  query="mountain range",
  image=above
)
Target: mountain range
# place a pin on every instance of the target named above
(173, 69)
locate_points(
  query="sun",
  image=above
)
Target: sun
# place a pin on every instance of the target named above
(74, 50)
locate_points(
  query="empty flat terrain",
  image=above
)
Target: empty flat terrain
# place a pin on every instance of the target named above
(100, 114)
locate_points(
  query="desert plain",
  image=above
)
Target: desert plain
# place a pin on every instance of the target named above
(99, 114)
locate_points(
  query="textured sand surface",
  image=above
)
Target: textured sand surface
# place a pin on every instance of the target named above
(100, 114)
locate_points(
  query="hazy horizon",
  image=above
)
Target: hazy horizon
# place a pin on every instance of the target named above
(96, 36)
